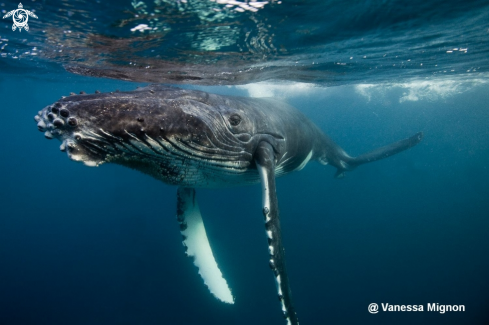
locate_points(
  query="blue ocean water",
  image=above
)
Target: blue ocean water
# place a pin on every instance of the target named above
(83, 245)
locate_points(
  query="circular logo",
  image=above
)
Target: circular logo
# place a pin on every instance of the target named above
(373, 308)
(20, 17)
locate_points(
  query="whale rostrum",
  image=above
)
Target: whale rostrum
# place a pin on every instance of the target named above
(193, 139)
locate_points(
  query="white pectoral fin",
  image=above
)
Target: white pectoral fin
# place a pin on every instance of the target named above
(197, 244)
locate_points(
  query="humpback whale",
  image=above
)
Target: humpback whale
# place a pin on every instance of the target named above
(193, 139)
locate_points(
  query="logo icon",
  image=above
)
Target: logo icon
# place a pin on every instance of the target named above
(373, 308)
(20, 17)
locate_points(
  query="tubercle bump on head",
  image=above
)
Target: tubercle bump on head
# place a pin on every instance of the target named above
(56, 121)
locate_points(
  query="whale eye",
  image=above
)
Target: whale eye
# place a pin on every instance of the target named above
(235, 119)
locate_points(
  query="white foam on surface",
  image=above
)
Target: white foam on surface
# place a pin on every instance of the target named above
(279, 90)
(198, 246)
(431, 89)
(421, 90)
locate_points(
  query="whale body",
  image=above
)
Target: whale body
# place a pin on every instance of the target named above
(193, 139)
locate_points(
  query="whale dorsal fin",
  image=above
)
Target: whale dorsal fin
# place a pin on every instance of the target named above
(197, 245)
(265, 163)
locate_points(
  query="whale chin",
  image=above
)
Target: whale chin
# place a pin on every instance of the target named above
(77, 152)
(86, 161)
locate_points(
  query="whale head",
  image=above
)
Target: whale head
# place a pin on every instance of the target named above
(152, 124)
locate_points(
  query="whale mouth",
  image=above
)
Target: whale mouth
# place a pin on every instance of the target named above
(57, 122)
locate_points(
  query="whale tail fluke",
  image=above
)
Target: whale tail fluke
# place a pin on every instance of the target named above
(350, 163)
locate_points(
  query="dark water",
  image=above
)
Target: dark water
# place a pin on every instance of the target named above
(83, 245)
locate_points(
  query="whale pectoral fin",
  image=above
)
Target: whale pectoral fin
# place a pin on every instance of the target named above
(197, 245)
(265, 162)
